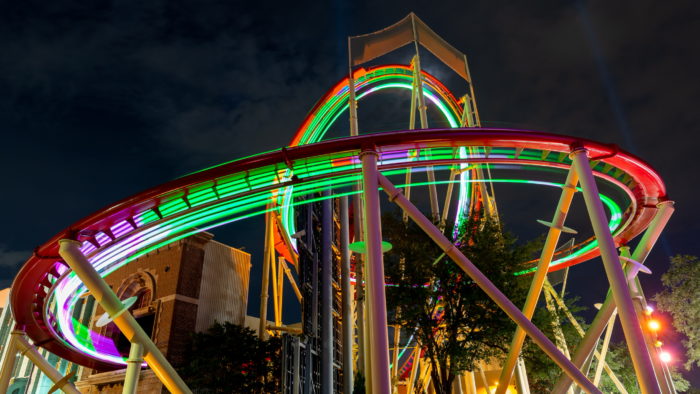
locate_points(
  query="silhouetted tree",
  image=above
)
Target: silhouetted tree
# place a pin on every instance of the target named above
(456, 323)
(681, 298)
(229, 358)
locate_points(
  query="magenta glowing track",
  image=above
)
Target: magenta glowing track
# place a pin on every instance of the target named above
(45, 291)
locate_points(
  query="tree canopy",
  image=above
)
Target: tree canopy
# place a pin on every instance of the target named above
(681, 298)
(456, 323)
(229, 358)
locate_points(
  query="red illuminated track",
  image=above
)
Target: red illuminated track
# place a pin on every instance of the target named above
(28, 294)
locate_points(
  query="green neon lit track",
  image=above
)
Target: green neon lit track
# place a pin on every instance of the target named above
(247, 187)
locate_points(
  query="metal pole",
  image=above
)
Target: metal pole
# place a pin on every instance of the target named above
(521, 381)
(448, 199)
(290, 278)
(659, 367)
(348, 323)
(457, 385)
(70, 251)
(133, 369)
(559, 338)
(379, 336)
(616, 276)
(414, 366)
(484, 382)
(587, 344)
(640, 306)
(471, 382)
(422, 110)
(29, 350)
(581, 333)
(563, 283)
(486, 285)
(275, 285)
(262, 331)
(533, 295)
(395, 361)
(326, 295)
(352, 100)
(8, 363)
(297, 361)
(604, 350)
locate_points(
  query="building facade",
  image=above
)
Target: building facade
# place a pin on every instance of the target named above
(180, 289)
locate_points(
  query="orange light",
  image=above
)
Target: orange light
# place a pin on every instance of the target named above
(658, 343)
(665, 356)
(654, 325)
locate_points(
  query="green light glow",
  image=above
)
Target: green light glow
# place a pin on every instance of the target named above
(247, 194)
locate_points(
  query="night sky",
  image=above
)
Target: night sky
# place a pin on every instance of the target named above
(100, 100)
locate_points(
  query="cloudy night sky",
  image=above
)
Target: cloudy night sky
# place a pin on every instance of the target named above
(100, 100)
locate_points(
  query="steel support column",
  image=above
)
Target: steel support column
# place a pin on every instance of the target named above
(326, 295)
(379, 336)
(133, 369)
(533, 295)
(348, 322)
(267, 261)
(587, 344)
(70, 252)
(604, 350)
(8, 363)
(521, 382)
(30, 351)
(423, 111)
(616, 276)
(486, 285)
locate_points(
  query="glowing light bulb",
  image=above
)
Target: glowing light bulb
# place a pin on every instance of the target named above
(649, 310)
(654, 325)
(665, 356)
(658, 343)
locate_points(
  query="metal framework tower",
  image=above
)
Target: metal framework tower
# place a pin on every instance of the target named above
(313, 363)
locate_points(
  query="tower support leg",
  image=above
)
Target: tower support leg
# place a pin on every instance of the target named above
(486, 285)
(533, 295)
(133, 369)
(30, 351)
(348, 321)
(376, 297)
(8, 364)
(70, 252)
(616, 276)
(585, 347)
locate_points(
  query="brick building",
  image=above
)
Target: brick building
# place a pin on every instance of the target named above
(181, 288)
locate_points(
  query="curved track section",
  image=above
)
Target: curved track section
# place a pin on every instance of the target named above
(45, 291)
(334, 103)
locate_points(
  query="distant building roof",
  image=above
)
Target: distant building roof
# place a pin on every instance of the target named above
(4, 295)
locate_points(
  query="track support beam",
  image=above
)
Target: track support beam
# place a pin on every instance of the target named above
(533, 295)
(347, 293)
(616, 276)
(651, 235)
(133, 369)
(70, 252)
(486, 285)
(8, 364)
(376, 297)
(22, 346)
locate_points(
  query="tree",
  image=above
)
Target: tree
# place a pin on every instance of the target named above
(681, 298)
(229, 358)
(456, 323)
